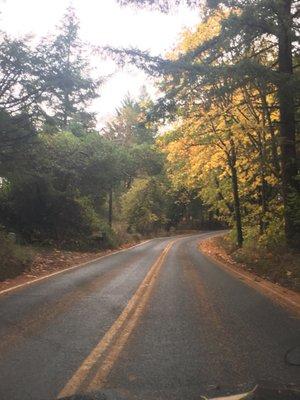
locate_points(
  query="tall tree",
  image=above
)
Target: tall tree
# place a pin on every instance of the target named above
(226, 58)
(131, 131)
(66, 74)
(19, 66)
(130, 125)
(278, 20)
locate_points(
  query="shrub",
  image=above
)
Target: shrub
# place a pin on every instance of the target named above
(14, 258)
(273, 238)
(144, 206)
(123, 236)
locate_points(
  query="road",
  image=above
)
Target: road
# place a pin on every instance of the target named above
(157, 321)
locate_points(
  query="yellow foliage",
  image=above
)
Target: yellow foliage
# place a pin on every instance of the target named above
(237, 132)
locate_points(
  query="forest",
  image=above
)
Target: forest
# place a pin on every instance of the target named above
(217, 149)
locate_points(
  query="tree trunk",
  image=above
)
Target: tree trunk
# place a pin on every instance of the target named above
(264, 206)
(263, 188)
(274, 145)
(290, 186)
(236, 196)
(110, 207)
(237, 207)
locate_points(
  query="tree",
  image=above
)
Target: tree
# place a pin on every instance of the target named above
(51, 81)
(130, 125)
(66, 76)
(56, 188)
(145, 206)
(16, 131)
(231, 59)
(134, 135)
(19, 66)
(224, 135)
(277, 19)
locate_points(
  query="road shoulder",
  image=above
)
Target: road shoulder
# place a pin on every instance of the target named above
(283, 296)
(28, 278)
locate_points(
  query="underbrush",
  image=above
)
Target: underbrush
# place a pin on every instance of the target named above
(123, 236)
(270, 259)
(15, 258)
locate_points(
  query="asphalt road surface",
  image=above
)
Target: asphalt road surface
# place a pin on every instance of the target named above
(157, 321)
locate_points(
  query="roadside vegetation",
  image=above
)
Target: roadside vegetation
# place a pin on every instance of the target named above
(279, 265)
(230, 90)
(14, 258)
(228, 155)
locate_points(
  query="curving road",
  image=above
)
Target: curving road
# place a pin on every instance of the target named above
(157, 321)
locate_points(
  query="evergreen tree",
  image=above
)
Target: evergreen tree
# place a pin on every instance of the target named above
(19, 66)
(130, 125)
(66, 76)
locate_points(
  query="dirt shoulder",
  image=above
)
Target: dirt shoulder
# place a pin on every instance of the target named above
(47, 262)
(261, 281)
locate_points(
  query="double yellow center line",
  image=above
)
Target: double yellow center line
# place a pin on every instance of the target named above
(89, 376)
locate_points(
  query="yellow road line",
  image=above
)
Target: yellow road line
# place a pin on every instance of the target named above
(125, 322)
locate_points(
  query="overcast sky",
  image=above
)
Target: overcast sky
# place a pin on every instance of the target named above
(103, 22)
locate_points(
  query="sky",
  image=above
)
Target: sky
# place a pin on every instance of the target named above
(103, 22)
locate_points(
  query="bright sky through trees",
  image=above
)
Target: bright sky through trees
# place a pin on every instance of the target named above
(102, 22)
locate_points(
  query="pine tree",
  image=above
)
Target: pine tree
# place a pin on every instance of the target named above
(69, 87)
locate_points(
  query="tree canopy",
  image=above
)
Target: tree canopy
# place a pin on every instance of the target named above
(244, 52)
